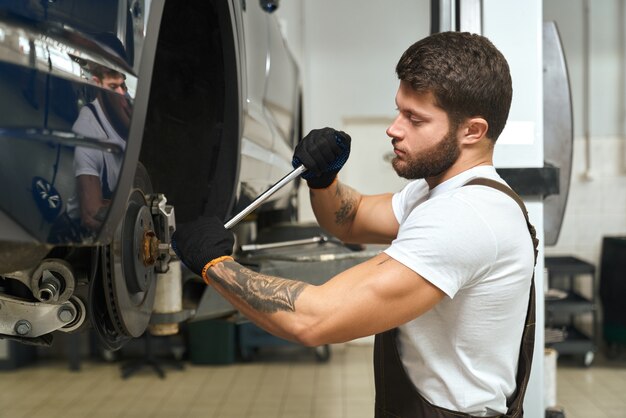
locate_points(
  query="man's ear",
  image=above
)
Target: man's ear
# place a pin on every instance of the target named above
(474, 129)
(96, 80)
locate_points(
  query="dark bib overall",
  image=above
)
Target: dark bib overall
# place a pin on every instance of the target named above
(396, 396)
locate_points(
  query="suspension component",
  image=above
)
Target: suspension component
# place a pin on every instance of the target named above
(164, 225)
(53, 281)
(33, 319)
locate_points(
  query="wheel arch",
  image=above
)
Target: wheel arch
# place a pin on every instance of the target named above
(191, 139)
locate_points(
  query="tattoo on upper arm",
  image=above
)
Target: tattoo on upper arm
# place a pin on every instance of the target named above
(346, 212)
(264, 293)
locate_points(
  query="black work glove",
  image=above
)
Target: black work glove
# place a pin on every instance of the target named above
(323, 152)
(201, 241)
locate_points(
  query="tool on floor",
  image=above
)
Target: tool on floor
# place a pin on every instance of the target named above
(320, 239)
(265, 195)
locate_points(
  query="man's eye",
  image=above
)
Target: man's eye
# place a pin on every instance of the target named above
(415, 122)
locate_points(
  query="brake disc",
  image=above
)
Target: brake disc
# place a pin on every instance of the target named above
(128, 268)
(107, 333)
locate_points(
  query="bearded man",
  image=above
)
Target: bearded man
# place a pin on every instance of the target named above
(450, 300)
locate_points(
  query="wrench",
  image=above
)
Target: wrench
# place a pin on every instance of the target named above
(263, 197)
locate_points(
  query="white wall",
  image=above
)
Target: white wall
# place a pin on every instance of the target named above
(597, 205)
(352, 47)
(607, 60)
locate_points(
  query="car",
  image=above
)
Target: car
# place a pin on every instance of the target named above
(118, 119)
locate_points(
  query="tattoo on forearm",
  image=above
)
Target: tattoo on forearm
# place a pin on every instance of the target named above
(264, 293)
(346, 212)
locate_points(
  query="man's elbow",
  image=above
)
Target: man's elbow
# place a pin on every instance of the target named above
(295, 333)
(309, 335)
(309, 339)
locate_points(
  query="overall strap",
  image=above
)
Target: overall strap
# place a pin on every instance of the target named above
(92, 107)
(515, 408)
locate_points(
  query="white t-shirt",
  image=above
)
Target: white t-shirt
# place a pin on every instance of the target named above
(92, 161)
(472, 243)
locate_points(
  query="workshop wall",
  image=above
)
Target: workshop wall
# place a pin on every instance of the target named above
(597, 202)
(596, 207)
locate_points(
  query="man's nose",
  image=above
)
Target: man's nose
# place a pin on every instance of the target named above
(393, 131)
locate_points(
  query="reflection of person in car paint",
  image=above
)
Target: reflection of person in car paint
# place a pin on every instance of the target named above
(107, 118)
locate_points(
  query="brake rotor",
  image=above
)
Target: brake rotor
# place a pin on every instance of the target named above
(128, 267)
(108, 335)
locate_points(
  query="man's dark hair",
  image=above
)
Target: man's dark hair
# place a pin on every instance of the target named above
(102, 72)
(466, 73)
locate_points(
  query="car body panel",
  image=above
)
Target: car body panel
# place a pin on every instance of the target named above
(54, 88)
(42, 93)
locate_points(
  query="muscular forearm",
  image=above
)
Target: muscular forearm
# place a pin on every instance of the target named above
(268, 301)
(335, 209)
(353, 304)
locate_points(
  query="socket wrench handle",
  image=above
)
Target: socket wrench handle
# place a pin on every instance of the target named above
(264, 196)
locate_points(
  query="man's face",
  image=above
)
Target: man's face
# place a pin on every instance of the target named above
(116, 84)
(422, 140)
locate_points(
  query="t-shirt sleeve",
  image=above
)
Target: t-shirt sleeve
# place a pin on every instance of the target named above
(88, 161)
(411, 195)
(447, 242)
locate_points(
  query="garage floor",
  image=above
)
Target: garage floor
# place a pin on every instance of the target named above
(289, 385)
(292, 385)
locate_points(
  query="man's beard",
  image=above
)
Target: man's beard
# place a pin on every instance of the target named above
(430, 162)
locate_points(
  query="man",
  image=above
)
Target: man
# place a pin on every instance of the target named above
(449, 297)
(106, 118)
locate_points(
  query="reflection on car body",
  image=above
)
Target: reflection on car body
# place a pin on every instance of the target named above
(111, 117)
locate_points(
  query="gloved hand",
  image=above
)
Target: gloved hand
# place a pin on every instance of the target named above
(201, 241)
(323, 152)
